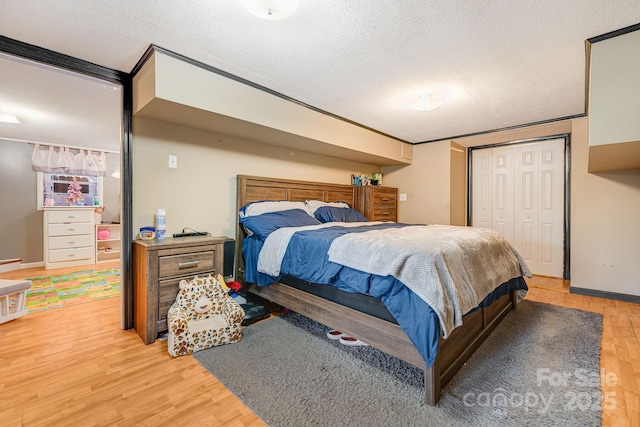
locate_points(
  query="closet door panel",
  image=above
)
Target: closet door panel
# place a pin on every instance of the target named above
(551, 212)
(526, 203)
(482, 178)
(503, 187)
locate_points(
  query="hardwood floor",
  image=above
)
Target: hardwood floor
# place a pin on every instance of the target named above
(75, 366)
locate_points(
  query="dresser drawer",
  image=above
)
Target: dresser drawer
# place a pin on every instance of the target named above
(186, 264)
(67, 242)
(384, 213)
(70, 216)
(384, 198)
(71, 229)
(61, 255)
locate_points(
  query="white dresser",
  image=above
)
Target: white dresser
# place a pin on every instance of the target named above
(69, 237)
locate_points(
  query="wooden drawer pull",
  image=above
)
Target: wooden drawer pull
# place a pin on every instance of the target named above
(386, 213)
(385, 199)
(189, 264)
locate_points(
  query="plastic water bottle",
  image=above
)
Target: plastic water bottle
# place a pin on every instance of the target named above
(161, 224)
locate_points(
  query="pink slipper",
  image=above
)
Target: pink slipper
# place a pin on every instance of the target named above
(335, 335)
(351, 341)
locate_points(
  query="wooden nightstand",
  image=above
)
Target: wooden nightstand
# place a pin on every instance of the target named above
(158, 268)
(377, 203)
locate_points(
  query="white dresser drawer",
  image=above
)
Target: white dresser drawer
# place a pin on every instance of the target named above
(59, 255)
(70, 216)
(68, 242)
(70, 229)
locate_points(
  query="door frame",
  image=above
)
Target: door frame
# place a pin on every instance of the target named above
(566, 273)
(80, 66)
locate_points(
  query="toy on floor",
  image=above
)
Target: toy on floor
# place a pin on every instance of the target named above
(233, 288)
(252, 312)
(203, 316)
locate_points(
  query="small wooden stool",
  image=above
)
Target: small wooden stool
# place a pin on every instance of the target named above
(13, 299)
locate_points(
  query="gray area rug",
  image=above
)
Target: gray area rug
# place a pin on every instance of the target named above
(540, 367)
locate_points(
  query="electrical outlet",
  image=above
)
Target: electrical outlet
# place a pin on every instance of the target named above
(403, 197)
(173, 161)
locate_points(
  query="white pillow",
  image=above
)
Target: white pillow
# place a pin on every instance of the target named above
(258, 208)
(312, 205)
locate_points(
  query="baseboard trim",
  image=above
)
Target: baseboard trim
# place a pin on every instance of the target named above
(9, 265)
(31, 265)
(605, 294)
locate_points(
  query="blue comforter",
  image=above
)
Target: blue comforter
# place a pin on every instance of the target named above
(306, 258)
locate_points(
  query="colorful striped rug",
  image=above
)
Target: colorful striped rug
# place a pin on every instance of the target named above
(81, 286)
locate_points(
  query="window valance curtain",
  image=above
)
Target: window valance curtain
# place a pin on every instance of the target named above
(64, 161)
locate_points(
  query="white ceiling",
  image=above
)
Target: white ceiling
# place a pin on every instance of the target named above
(499, 63)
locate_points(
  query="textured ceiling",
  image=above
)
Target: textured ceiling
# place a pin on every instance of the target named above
(497, 63)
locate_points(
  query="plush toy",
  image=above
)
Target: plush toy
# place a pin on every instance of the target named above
(202, 316)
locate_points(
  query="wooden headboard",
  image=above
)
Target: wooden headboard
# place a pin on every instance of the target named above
(257, 188)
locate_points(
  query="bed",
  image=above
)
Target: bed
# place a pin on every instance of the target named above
(372, 316)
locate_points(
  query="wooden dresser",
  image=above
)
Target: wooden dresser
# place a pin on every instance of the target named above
(158, 268)
(377, 203)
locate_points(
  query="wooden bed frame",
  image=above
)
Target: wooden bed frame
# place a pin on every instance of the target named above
(386, 336)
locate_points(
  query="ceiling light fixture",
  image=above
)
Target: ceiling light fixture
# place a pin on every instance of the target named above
(427, 102)
(8, 118)
(271, 10)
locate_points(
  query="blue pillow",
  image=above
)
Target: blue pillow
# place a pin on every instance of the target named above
(267, 223)
(335, 214)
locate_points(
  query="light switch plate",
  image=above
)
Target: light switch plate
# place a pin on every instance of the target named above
(173, 161)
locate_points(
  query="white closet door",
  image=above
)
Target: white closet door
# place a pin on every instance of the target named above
(526, 203)
(482, 178)
(503, 201)
(551, 211)
(519, 191)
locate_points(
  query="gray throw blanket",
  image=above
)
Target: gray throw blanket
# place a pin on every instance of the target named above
(451, 268)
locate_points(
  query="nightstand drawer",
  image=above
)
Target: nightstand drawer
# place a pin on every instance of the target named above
(167, 296)
(186, 264)
(59, 255)
(71, 229)
(168, 291)
(68, 242)
(66, 216)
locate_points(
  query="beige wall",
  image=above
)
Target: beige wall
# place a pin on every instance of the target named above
(426, 183)
(169, 89)
(201, 192)
(605, 230)
(458, 176)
